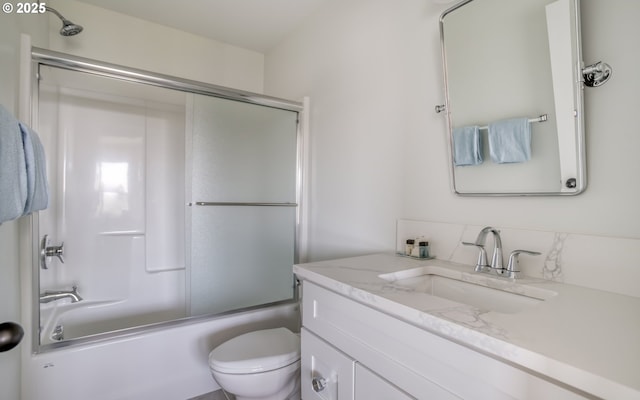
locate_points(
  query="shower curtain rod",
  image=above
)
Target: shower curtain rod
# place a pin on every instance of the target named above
(81, 64)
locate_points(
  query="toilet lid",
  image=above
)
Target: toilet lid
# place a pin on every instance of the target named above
(257, 351)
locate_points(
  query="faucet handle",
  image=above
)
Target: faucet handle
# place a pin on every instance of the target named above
(482, 263)
(513, 268)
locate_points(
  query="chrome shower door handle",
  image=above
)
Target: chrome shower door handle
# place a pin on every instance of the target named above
(50, 251)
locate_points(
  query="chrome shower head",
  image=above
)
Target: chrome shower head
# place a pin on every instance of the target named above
(68, 27)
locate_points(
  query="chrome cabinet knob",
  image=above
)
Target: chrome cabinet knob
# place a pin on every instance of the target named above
(318, 384)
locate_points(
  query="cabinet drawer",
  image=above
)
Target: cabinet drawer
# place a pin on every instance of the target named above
(326, 364)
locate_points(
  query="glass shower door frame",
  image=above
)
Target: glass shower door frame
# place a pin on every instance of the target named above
(80, 64)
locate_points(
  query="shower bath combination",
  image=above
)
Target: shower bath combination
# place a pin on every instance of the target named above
(68, 27)
(138, 241)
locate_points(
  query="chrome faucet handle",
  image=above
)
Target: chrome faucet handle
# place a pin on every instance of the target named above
(50, 251)
(481, 264)
(513, 268)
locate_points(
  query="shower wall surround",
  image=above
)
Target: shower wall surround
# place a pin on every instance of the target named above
(577, 259)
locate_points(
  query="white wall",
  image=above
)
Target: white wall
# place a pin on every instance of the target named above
(121, 39)
(349, 59)
(373, 71)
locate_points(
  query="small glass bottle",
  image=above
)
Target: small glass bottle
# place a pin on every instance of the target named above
(408, 248)
(423, 249)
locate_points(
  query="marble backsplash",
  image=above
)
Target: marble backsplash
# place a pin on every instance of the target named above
(599, 262)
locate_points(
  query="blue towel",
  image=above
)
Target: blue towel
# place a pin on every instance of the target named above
(510, 141)
(37, 187)
(467, 148)
(13, 171)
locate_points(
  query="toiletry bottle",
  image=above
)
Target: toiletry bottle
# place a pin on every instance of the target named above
(416, 249)
(408, 248)
(423, 249)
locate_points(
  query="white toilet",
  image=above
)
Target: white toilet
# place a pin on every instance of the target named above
(259, 365)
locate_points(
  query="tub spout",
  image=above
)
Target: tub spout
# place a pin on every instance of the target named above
(53, 295)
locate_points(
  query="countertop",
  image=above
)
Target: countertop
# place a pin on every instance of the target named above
(586, 338)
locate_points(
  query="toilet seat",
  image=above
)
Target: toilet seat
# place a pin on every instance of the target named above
(255, 352)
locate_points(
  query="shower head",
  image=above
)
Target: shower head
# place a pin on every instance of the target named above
(68, 27)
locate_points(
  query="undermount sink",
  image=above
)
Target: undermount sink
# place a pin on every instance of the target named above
(481, 291)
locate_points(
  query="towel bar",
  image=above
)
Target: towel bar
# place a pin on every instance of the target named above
(224, 203)
(542, 118)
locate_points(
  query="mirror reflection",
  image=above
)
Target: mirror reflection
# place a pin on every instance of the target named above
(514, 97)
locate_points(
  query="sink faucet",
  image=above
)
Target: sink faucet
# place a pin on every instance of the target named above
(497, 263)
(496, 259)
(53, 295)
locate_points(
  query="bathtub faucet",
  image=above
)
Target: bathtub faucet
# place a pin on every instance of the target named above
(53, 295)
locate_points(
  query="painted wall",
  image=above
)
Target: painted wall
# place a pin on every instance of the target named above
(349, 58)
(372, 69)
(133, 42)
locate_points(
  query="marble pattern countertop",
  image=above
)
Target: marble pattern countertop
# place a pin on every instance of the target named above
(586, 338)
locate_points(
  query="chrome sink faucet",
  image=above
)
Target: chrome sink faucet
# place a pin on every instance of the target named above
(496, 259)
(497, 262)
(53, 295)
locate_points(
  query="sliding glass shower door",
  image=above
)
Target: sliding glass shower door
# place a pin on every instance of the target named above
(243, 204)
(172, 198)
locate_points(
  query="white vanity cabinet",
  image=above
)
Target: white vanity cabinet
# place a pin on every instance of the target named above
(358, 352)
(329, 374)
(369, 386)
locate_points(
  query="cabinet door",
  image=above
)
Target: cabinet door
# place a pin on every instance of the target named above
(369, 386)
(327, 373)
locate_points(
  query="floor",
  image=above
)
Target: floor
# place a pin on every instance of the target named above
(217, 395)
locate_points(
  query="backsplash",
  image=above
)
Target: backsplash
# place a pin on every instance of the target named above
(599, 262)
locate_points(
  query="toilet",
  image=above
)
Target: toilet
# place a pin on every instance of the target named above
(259, 365)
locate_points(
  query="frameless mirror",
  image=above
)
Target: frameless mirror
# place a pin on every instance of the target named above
(514, 101)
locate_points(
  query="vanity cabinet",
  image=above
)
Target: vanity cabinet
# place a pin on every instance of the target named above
(362, 353)
(327, 372)
(369, 386)
(332, 375)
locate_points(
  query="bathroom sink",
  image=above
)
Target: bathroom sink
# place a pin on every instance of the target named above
(481, 291)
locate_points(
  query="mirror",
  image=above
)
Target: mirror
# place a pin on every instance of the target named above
(514, 101)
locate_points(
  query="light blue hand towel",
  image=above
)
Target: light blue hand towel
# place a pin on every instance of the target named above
(13, 172)
(510, 141)
(37, 186)
(467, 147)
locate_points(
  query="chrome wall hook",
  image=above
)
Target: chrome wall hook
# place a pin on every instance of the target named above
(596, 74)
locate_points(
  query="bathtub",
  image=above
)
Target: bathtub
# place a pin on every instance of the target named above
(68, 321)
(167, 361)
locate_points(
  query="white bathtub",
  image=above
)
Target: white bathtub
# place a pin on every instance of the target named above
(87, 318)
(159, 362)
